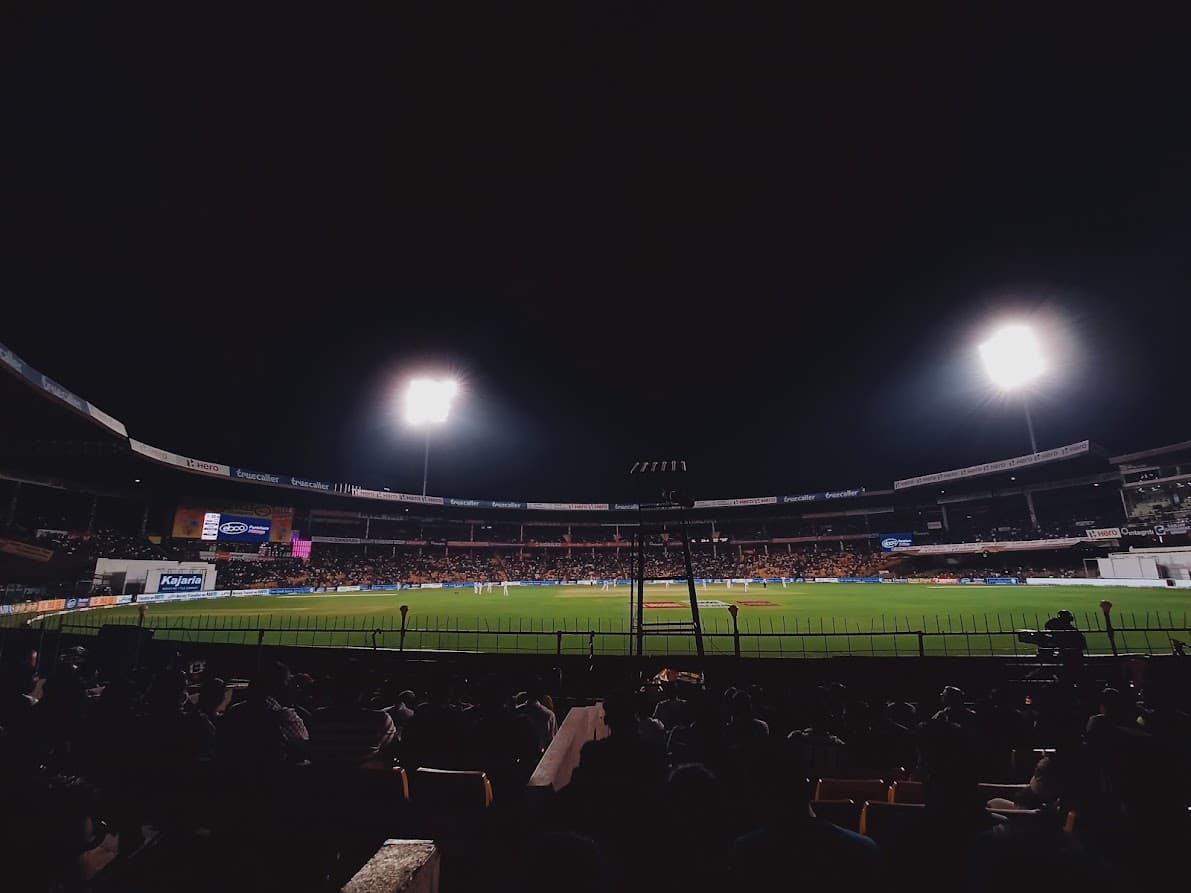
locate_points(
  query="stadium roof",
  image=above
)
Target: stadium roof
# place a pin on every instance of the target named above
(45, 386)
(1151, 453)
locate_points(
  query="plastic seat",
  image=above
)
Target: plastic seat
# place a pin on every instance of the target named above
(852, 789)
(452, 789)
(883, 821)
(845, 813)
(907, 792)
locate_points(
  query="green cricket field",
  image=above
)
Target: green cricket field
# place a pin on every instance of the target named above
(796, 620)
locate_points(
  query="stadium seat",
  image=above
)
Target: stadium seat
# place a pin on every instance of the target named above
(892, 773)
(452, 789)
(1070, 821)
(1003, 791)
(845, 813)
(906, 792)
(884, 821)
(852, 789)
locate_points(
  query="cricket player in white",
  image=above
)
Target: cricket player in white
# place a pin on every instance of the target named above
(504, 584)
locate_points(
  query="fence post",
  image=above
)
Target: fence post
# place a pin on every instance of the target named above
(140, 624)
(591, 646)
(260, 649)
(559, 634)
(921, 644)
(734, 610)
(1106, 607)
(404, 609)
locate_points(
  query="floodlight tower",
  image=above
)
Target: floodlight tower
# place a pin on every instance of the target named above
(1013, 359)
(428, 403)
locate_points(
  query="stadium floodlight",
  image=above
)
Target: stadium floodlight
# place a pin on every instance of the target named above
(1013, 358)
(428, 400)
(428, 403)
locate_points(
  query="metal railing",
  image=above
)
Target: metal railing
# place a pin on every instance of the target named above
(959, 635)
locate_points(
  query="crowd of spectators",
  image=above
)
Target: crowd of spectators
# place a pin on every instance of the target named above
(701, 788)
(106, 543)
(331, 566)
(92, 763)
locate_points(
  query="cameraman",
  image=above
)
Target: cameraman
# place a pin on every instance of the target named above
(1065, 638)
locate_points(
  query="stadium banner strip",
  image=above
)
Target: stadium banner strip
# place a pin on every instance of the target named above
(1006, 546)
(48, 386)
(165, 457)
(824, 537)
(1082, 448)
(779, 500)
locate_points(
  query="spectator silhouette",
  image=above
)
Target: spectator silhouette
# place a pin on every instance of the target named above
(671, 711)
(697, 821)
(944, 833)
(347, 733)
(540, 717)
(698, 741)
(258, 732)
(792, 842)
(502, 742)
(614, 791)
(953, 708)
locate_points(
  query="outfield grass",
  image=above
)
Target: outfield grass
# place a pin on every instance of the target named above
(863, 618)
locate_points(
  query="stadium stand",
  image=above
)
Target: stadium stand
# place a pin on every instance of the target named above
(172, 775)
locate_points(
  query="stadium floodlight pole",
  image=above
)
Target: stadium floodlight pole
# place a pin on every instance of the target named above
(426, 463)
(428, 403)
(1025, 404)
(1013, 359)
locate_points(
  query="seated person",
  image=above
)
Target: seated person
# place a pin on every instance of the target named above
(792, 842)
(347, 733)
(1043, 791)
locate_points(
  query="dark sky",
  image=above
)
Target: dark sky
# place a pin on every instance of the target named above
(769, 246)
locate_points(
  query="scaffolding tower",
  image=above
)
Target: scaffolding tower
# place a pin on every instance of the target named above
(668, 506)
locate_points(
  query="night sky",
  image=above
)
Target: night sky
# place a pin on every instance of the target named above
(768, 246)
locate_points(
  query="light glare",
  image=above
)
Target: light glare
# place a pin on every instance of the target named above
(428, 400)
(1012, 357)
